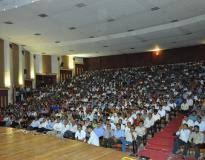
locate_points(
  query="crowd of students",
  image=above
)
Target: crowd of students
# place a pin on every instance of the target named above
(112, 106)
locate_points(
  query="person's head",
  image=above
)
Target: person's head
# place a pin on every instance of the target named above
(132, 129)
(90, 129)
(194, 113)
(99, 124)
(79, 127)
(149, 115)
(185, 126)
(108, 126)
(199, 119)
(196, 128)
(118, 126)
(141, 123)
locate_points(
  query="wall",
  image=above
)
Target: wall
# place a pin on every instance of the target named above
(185, 54)
(46, 62)
(1, 63)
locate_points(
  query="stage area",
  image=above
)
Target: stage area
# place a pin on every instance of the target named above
(15, 144)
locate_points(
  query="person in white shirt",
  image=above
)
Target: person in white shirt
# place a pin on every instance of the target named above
(57, 128)
(200, 123)
(130, 137)
(93, 138)
(183, 136)
(34, 125)
(188, 121)
(141, 132)
(196, 139)
(70, 132)
(161, 112)
(80, 134)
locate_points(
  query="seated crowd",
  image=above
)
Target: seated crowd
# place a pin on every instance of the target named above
(112, 106)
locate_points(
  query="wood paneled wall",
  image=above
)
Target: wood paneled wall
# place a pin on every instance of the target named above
(3, 97)
(15, 61)
(46, 60)
(1, 63)
(65, 61)
(27, 64)
(178, 55)
(65, 74)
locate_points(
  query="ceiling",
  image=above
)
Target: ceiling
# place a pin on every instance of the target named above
(88, 28)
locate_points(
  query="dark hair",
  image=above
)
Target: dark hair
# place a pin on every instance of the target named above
(196, 126)
(91, 127)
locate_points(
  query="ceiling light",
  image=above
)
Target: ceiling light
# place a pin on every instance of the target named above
(8, 22)
(16, 6)
(155, 8)
(156, 49)
(37, 34)
(80, 5)
(43, 15)
(72, 28)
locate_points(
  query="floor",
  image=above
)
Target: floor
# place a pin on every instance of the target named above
(15, 144)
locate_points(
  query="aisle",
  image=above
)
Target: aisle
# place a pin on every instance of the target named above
(160, 146)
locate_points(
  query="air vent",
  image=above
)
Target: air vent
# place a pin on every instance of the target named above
(72, 28)
(43, 15)
(111, 20)
(57, 42)
(80, 5)
(105, 46)
(188, 33)
(92, 37)
(37, 34)
(8, 22)
(132, 48)
(155, 8)
(175, 20)
(130, 30)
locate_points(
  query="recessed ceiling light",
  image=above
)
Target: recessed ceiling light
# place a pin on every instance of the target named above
(8, 22)
(130, 30)
(111, 20)
(92, 37)
(37, 34)
(16, 6)
(175, 20)
(80, 5)
(72, 28)
(155, 8)
(43, 15)
(57, 42)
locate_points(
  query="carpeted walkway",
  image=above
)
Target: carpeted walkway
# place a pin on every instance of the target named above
(160, 146)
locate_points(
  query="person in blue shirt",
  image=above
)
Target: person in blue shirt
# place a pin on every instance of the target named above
(99, 131)
(119, 136)
(193, 116)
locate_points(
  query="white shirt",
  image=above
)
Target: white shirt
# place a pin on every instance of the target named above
(140, 131)
(156, 117)
(201, 125)
(190, 123)
(148, 122)
(184, 134)
(73, 128)
(94, 140)
(162, 113)
(129, 137)
(58, 127)
(80, 135)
